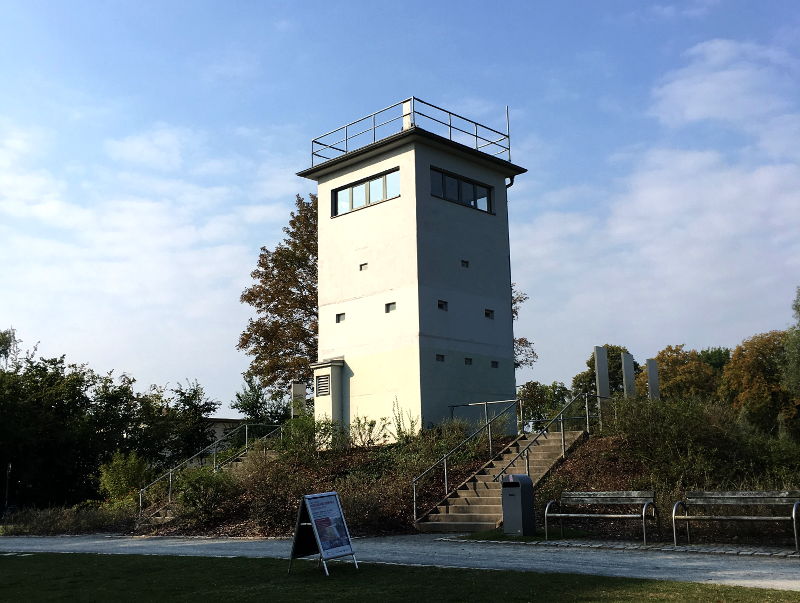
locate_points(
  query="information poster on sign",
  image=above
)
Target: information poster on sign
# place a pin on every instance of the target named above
(325, 513)
(321, 530)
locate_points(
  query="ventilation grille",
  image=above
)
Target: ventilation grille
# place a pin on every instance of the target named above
(323, 385)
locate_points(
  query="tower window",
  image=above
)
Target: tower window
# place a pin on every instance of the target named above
(363, 267)
(340, 317)
(391, 307)
(366, 192)
(488, 313)
(495, 364)
(439, 357)
(468, 361)
(461, 190)
(442, 305)
(465, 263)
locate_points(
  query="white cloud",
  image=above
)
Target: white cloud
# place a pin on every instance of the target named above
(161, 148)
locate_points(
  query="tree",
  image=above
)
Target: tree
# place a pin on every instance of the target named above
(257, 404)
(282, 339)
(191, 432)
(683, 373)
(753, 382)
(9, 347)
(585, 382)
(524, 354)
(791, 370)
(540, 401)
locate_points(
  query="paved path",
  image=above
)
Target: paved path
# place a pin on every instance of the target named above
(429, 549)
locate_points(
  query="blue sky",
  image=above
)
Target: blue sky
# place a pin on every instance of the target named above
(148, 149)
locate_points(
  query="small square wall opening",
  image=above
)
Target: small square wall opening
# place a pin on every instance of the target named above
(488, 313)
(390, 307)
(439, 357)
(442, 305)
(340, 317)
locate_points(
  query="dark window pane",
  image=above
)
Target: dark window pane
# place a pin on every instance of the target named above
(376, 190)
(437, 188)
(450, 188)
(468, 194)
(393, 185)
(482, 194)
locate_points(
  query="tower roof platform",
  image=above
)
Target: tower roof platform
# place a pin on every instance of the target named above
(408, 119)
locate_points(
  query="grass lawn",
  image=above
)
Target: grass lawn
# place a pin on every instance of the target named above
(83, 577)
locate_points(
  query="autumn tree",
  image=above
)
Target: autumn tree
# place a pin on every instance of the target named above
(585, 381)
(683, 373)
(753, 382)
(282, 338)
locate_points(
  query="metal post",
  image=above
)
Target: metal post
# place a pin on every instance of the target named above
(214, 458)
(246, 438)
(488, 426)
(599, 414)
(140, 503)
(169, 492)
(527, 461)
(450, 125)
(414, 487)
(563, 441)
(476, 134)
(446, 488)
(586, 404)
(345, 139)
(373, 127)
(508, 134)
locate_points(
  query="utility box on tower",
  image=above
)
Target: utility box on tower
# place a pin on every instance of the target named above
(414, 275)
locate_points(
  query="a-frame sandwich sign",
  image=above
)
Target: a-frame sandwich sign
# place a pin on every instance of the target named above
(321, 530)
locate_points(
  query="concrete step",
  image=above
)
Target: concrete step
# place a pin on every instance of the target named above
(479, 485)
(465, 517)
(475, 500)
(496, 510)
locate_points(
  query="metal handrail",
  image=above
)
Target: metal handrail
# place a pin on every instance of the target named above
(443, 459)
(411, 108)
(535, 441)
(213, 447)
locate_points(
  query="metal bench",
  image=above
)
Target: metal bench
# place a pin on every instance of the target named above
(644, 498)
(704, 499)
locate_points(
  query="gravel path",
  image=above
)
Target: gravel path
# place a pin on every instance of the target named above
(429, 549)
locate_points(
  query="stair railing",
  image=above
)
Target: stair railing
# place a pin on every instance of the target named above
(487, 426)
(560, 418)
(213, 450)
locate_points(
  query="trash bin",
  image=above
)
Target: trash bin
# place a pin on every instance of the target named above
(518, 514)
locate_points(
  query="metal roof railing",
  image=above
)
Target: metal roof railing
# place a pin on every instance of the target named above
(406, 114)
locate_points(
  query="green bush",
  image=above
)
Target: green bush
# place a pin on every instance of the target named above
(203, 493)
(123, 475)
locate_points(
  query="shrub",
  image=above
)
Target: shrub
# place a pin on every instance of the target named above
(123, 475)
(203, 493)
(85, 518)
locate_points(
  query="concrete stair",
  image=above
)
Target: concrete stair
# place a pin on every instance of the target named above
(476, 505)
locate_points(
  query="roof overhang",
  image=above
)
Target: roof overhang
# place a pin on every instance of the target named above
(411, 134)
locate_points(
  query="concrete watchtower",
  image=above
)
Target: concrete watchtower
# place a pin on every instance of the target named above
(414, 275)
